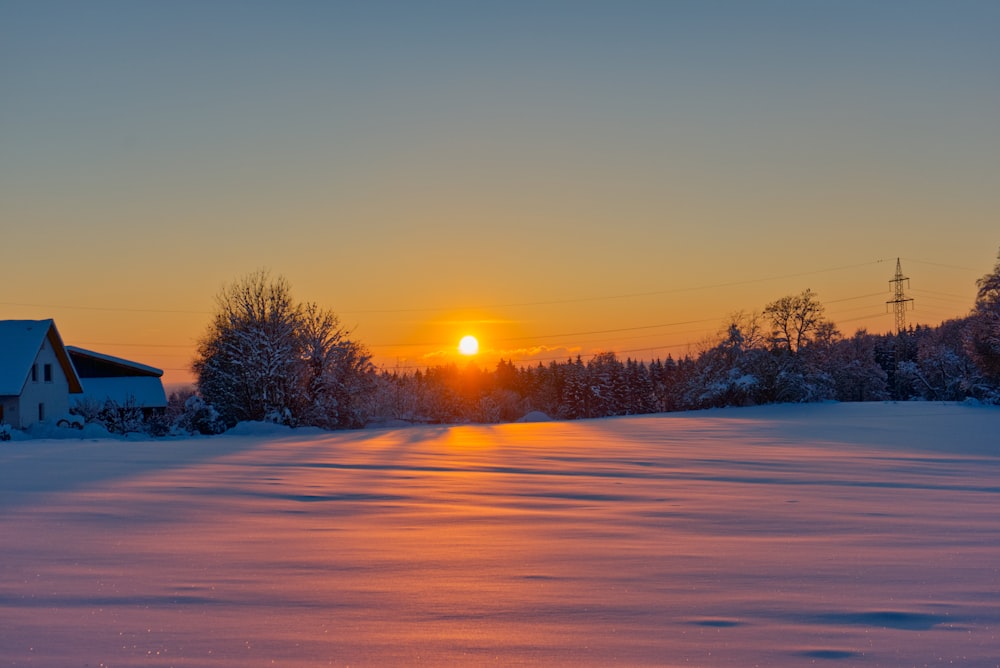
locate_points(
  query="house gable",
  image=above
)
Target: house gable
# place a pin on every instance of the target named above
(36, 374)
(20, 344)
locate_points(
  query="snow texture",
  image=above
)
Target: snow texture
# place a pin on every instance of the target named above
(20, 341)
(840, 534)
(145, 391)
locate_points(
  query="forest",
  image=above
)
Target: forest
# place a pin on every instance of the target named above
(266, 357)
(745, 367)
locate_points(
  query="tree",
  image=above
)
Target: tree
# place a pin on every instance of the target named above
(605, 385)
(983, 342)
(749, 327)
(265, 357)
(796, 319)
(854, 370)
(247, 363)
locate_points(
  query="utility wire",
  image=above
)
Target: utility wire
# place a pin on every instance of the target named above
(938, 264)
(106, 308)
(654, 293)
(571, 300)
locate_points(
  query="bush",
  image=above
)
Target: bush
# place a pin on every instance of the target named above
(199, 417)
(122, 419)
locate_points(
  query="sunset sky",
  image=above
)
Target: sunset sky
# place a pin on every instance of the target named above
(556, 178)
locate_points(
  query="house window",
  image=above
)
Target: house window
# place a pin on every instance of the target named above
(34, 373)
(48, 373)
(41, 412)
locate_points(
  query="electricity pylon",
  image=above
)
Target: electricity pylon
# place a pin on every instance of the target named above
(900, 299)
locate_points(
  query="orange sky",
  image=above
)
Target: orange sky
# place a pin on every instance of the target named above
(557, 180)
(652, 323)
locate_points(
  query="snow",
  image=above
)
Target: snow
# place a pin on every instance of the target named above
(146, 391)
(840, 534)
(535, 416)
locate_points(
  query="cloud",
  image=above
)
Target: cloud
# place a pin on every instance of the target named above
(489, 357)
(538, 353)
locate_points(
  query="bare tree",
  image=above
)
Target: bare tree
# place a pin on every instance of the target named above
(748, 326)
(796, 319)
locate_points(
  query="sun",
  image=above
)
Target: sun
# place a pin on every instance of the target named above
(468, 345)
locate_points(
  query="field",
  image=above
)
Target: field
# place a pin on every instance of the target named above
(834, 534)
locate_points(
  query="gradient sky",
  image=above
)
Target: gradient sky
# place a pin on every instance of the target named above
(554, 177)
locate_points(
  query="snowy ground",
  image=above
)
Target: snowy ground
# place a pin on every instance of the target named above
(835, 534)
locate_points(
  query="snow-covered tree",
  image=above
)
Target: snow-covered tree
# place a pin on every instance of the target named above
(606, 384)
(575, 400)
(983, 342)
(266, 357)
(336, 375)
(247, 363)
(854, 370)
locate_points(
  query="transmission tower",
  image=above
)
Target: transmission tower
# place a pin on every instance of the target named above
(899, 300)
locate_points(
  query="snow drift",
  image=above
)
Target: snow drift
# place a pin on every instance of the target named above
(866, 534)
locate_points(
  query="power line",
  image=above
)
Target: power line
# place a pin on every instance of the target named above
(654, 293)
(550, 302)
(116, 309)
(617, 330)
(850, 299)
(938, 264)
(870, 316)
(134, 345)
(923, 291)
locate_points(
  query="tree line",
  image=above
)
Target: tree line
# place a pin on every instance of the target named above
(267, 357)
(788, 352)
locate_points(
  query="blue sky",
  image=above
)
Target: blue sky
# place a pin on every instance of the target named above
(434, 160)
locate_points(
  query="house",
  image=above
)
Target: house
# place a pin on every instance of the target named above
(37, 376)
(119, 380)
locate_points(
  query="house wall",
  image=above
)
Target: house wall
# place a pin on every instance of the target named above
(52, 395)
(8, 410)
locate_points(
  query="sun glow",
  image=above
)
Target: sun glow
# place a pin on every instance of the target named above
(468, 345)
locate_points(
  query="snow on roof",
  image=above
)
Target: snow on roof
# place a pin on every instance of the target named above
(20, 341)
(141, 369)
(147, 391)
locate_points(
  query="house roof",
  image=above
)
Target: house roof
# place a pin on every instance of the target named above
(122, 367)
(146, 391)
(20, 341)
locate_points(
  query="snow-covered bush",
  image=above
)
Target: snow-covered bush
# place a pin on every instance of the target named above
(125, 418)
(88, 408)
(5, 432)
(157, 424)
(199, 417)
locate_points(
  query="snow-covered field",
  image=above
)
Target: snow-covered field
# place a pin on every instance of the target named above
(832, 534)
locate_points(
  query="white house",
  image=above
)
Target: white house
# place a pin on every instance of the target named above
(37, 376)
(112, 378)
